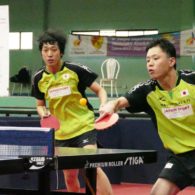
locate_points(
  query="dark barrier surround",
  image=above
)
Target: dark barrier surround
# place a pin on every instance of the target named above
(129, 133)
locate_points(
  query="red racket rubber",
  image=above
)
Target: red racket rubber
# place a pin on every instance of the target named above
(104, 122)
(50, 122)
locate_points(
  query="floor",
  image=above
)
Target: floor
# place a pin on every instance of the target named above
(143, 189)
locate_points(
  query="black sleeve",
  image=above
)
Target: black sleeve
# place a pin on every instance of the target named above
(86, 75)
(137, 98)
(187, 75)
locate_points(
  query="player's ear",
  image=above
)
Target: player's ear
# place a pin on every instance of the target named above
(172, 61)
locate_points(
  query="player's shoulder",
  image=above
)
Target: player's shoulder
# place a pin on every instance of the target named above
(186, 72)
(77, 66)
(38, 74)
(187, 75)
(146, 85)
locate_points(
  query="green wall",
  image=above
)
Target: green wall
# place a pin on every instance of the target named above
(37, 15)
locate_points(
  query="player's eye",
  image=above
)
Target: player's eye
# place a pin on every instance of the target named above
(44, 50)
(147, 60)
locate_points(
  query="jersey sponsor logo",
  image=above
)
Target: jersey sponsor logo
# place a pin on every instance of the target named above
(147, 83)
(183, 101)
(162, 99)
(59, 91)
(81, 66)
(178, 111)
(168, 165)
(187, 72)
(86, 68)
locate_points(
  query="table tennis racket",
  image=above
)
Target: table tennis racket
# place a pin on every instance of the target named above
(106, 121)
(50, 122)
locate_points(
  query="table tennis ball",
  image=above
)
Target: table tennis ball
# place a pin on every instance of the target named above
(83, 101)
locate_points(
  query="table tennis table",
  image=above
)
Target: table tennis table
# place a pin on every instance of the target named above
(41, 156)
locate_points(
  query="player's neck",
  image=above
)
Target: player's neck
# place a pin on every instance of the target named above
(170, 81)
(54, 69)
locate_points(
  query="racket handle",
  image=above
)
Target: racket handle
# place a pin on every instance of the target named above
(46, 116)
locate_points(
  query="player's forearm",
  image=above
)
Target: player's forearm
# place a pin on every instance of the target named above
(102, 96)
(120, 103)
(114, 105)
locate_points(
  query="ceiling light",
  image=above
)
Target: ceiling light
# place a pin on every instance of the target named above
(150, 32)
(135, 33)
(122, 33)
(92, 33)
(107, 32)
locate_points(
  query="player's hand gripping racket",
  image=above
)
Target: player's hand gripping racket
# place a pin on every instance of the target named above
(106, 121)
(50, 122)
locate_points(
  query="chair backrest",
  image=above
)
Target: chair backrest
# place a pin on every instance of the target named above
(23, 76)
(110, 68)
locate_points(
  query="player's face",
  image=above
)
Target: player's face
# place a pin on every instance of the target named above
(158, 63)
(51, 54)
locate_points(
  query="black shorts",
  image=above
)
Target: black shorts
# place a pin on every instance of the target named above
(88, 138)
(180, 169)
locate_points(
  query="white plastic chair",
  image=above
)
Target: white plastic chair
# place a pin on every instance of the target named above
(110, 69)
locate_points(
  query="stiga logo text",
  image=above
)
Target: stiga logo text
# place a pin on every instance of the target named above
(134, 160)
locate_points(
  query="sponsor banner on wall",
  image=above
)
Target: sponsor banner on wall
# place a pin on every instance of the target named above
(87, 45)
(117, 46)
(187, 43)
(4, 50)
(131, 46)
(136, 46)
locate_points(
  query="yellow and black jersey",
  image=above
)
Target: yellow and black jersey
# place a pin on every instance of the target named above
(62, 91)
(173, 112)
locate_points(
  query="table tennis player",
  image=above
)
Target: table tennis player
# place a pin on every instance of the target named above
(62, 85)
(169, 98)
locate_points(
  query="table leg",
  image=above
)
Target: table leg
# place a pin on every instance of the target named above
(90, 180)
(44, 181)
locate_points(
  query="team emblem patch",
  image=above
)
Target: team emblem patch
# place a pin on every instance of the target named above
(66, 76)
(184, 93)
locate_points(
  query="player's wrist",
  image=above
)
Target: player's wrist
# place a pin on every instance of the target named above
(107, 108)
(45, 114)
(102, 105)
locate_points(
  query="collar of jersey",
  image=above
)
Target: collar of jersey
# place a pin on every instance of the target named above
(176, 84)
(61, 68)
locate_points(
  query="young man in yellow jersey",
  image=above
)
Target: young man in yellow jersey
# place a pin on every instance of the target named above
(62, 84)
(169, 98)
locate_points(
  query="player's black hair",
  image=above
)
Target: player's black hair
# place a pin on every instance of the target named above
(51, 37)
(165, 45)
